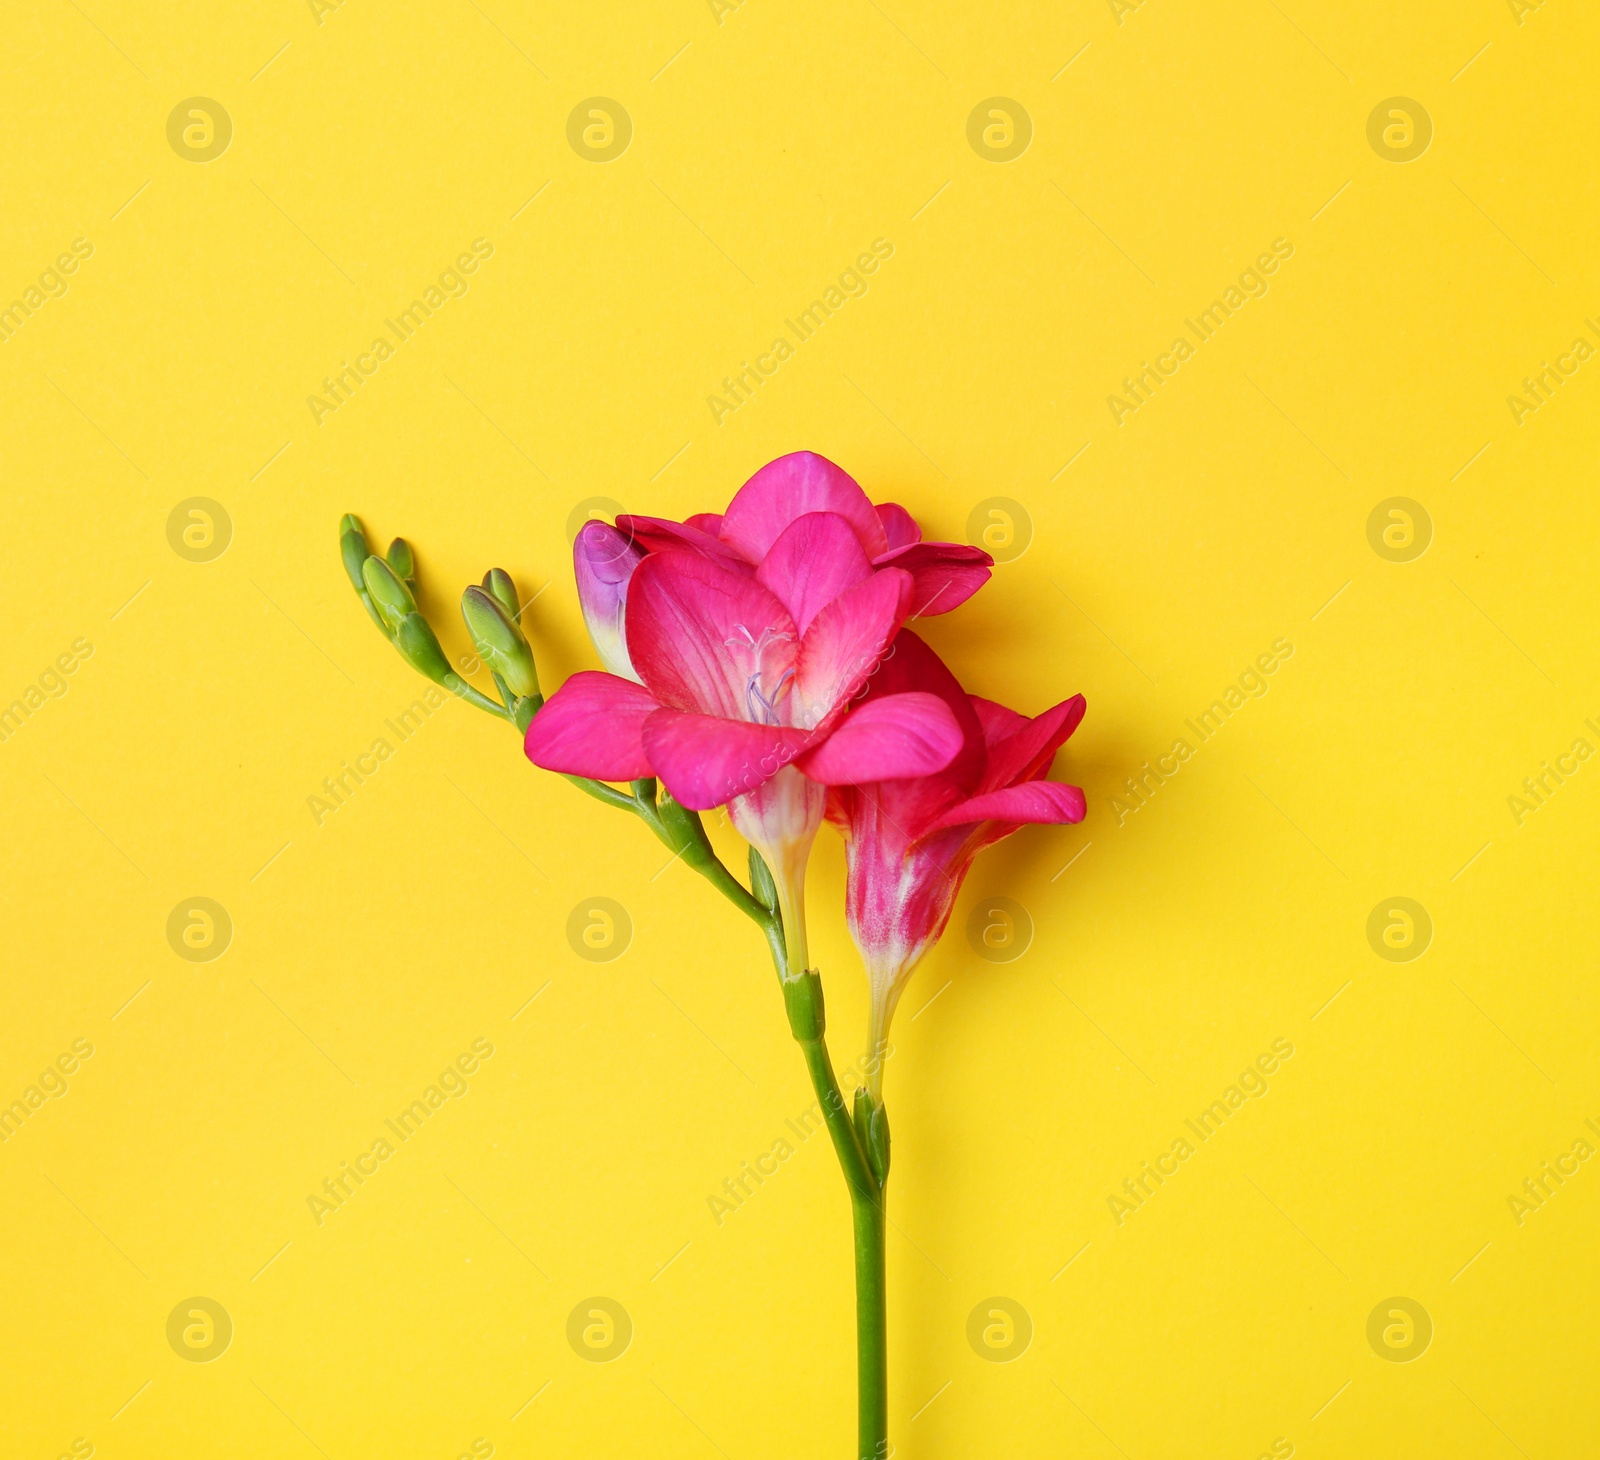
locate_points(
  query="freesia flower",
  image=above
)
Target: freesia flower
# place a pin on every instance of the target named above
(747, 634)
(911, 840)
(944, 574)
(744, 691)
(757, 659)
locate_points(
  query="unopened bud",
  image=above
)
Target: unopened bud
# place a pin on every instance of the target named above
(402, 560)
(872, 1126)
(498, 585)
(354, 552)
(761, 883)
(389, 592)
(419, 647)
(499, 642)
(603, 560)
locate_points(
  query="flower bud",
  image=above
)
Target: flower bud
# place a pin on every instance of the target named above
(603, 561)
(498, 585)
(419, 647)
(872, 1128)
(761, 883)
(389, 592)
(402, 560)
(354, 551)
(499, 642)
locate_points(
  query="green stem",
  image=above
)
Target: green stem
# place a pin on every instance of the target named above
(680, 830)
(804, 999)
(852, 1159)
(459, 687)
(602, 792)
(872, 1329)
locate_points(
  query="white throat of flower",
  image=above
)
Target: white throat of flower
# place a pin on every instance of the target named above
(780, 820)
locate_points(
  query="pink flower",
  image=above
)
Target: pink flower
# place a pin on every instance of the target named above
(910, 841)
(736, 643)
(745, 691)
(763, 510)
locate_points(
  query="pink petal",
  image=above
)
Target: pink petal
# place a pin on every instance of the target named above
(997, 721)
(846, 643)
(1028, 753)
(813, 561)
(947, 573)
(705, 522)
(659, 534)
(705, 639)
(893, 738)
(1049, 802)
(912, 665)
(592, 726)
(790, 487)
(705, 760)
(898, 524)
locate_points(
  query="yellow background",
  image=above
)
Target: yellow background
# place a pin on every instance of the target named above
(1171, 144)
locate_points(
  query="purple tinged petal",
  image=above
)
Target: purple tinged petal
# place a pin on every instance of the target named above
(603, 561)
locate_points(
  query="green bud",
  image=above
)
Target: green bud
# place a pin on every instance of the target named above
(419, 647)
(523, 711)
(686, 833)
(498, 585)
(354, 551)
(872, 1127)
(402, 560)
(761, 883)
(499, 642)
(390, 594)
